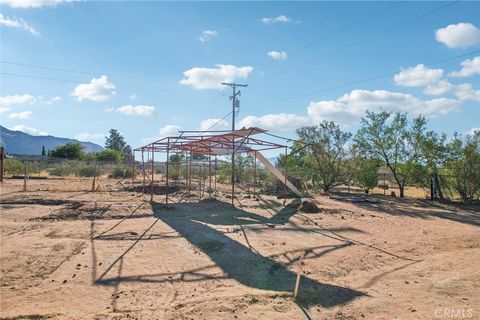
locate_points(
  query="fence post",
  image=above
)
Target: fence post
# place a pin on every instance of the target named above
(2, 163)
(25, 172)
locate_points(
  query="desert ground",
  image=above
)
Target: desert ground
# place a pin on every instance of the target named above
(67, 253)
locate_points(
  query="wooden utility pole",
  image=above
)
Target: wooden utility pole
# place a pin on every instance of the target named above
(235, 105)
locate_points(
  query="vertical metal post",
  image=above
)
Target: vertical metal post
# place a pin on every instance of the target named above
(166, 164)
(25, 171)
(133, 169)
(255, 176)
(189, 173)
(215, 174)
(200, 182)
(186, 170)
(233, 167)
(286, 172)
(153, 172)
(143, 172)
(210, 175)
(2, 163)
(94, 175)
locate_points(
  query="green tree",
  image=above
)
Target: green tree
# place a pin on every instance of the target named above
(396, 142)
(325, 149)
(367, 173)
(115, 141)
(44, 153)
(463, 161)
(70, 150)
(109, 155)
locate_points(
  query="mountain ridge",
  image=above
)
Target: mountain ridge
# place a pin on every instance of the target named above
(19, 142)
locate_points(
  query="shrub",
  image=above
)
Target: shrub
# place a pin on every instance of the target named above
(13, 167)
(109, 155)
(121, 172)
(89, 171)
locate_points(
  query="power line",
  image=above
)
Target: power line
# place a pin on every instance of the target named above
(36, 77)
(218, 121)
(47, 67)
(375, 77)
(385, 31)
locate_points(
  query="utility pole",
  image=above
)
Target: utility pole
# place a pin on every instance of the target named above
(235, 104)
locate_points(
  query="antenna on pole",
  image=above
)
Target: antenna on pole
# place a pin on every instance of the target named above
(235, 107)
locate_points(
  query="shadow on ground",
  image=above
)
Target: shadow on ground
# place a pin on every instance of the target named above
(241, 262)
(424, 209)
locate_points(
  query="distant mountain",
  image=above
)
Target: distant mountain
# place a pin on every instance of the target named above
(18, 142)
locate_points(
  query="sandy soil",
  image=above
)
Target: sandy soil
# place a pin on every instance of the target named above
(114, 255)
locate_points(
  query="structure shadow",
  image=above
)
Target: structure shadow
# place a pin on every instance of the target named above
(423, 209)
(240, 262)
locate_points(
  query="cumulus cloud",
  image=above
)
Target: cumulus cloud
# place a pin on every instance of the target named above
(53, 100)
(465, 92)
(139, 110)
(470, 67)
(10, 100)
(5, 109)
(32, 3)
(207, 35)
(211, 78)
(93, 137)
(219, 124)
(418, 76)
(352, 106)
(169, 130)
(97, 90)
(277, 55)
(279, 19)
(17, 23)
(278, 122)
(459, 35)
(29, 130)
(21, 115)
(439, 88)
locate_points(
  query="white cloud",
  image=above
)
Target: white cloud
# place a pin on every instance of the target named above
(352, 106)
(16, 99)
(439, 88)
(418, 76)
(465, 92)
(459, 35)
(211, 78)
(4, 109)
(219, 124)
(17, 23)
(53, 100)
(21, 115)
(133, 96)
(470, 67)
(207, 35)
(109, 109)
(29, 130)
(277, 122)
(169, 130)
(32, 3)
(277, 55)
(97, 90)
(280, 19)
(139, 110)
(92, 137)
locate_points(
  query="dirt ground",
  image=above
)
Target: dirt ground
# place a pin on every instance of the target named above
(69, 254)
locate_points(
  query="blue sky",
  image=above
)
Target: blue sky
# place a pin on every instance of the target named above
(150, 68)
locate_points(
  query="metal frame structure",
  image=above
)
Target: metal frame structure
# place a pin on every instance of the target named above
(209, 143)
